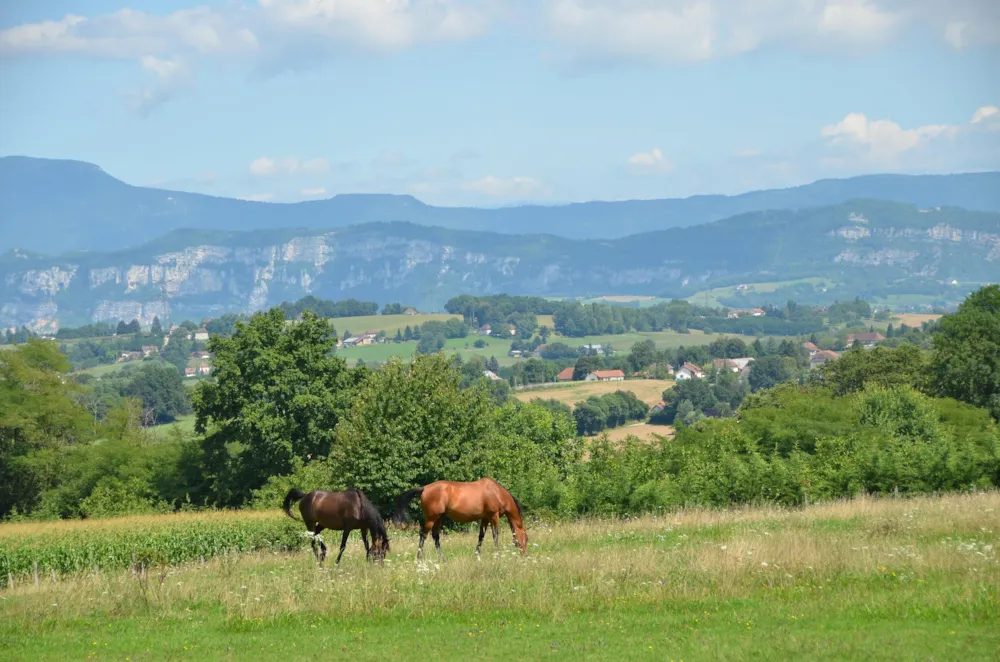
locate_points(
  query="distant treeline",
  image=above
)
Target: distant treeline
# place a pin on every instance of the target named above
(574, 319)
(325, 308)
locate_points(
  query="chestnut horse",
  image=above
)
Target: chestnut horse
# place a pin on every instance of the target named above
(340, 511)
(484, 501)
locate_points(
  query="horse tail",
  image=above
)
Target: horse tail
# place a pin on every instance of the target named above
(294, 494)
(372, 519)
(402, 515)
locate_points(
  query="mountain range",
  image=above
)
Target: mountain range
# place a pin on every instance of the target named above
(867, 247)
(55, 206)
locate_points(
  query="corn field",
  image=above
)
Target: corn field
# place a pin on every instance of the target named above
(45, 549)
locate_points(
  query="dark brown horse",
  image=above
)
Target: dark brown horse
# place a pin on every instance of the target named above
(484, 501)
(340, 511)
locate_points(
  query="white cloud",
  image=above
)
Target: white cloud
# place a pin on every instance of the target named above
(380, 25)
(313, 192)
(672, 31)
(746, 153)
(986, 114)
(857, 18)
(514, 187)
(881, 141)
(652, 161)
(265, 166)
(173, 76)
(858, 142)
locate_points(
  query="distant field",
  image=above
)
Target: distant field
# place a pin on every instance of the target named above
(640, 430)
(106, 368)
(498, 347)
(623, 342)
(464, 347)
(648, 390)
(184, 423)
(388, 323)
(915, 319)
(710, 297)
(546, 320)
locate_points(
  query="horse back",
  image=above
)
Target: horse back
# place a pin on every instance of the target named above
(332, 510)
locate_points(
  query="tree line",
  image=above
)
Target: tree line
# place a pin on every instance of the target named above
(284, 409)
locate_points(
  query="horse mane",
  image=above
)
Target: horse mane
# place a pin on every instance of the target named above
(520, 511)
(372, 518)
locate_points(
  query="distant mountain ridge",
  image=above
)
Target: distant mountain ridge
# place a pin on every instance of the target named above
(55, 206)
(859, 247)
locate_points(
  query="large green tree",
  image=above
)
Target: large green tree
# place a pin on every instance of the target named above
(903, 365)
(965, 363)
(279, 392)
(412, 424)
(38, 414)
(161, 390)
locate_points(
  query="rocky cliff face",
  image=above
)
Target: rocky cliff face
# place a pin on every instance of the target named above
(195, 274)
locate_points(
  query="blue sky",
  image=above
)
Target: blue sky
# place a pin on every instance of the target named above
(493, 102)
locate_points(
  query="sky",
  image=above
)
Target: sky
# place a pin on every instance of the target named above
(500, 102)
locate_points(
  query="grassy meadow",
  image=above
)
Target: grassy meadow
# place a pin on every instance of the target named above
(498, 347)
(649, 391)
(388, 323)
(864, 579)
(640, 431)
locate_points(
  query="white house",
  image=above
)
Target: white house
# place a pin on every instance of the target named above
(689, 371)
(606, 376)
(201, 335)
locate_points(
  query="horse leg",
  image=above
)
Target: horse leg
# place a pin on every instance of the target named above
(322, 545)
(436, 532)
(494, 525)
(314, 530)
(482, 534)
(424, 530)
(343, 544)
(364, 538)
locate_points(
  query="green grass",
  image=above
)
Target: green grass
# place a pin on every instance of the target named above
(499, 347)
(107, 368)
(388, 323)
(711, 297)
(623, 342)
(183, 423)
(865, 579)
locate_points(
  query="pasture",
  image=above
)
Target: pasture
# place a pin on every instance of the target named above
(388, 323)
(864, 579)
(642, 431)
(647, 390)
(914, 319)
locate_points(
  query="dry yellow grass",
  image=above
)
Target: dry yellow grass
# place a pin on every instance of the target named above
(649, 391)
(641, 431)
(915, 319)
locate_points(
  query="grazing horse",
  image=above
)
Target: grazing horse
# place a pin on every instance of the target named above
(340, 511)
(484, 501)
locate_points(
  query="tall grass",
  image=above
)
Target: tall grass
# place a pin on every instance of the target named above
(833, 552)
(154, 540)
